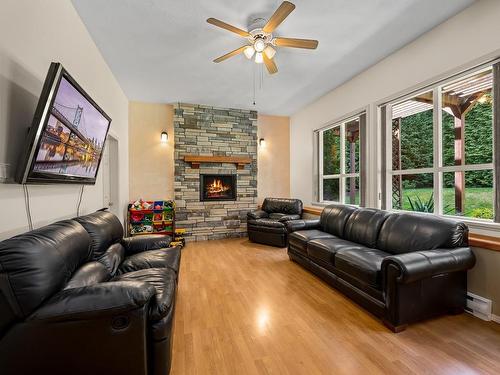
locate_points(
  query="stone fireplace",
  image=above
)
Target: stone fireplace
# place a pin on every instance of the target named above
(217, 187)
(214, 148)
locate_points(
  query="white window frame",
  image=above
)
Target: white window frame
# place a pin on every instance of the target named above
(342, 176)
(438, 169)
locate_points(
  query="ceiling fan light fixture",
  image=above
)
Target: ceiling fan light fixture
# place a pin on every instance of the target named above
(270, 52)
(249, 51)
(259, 59)
(259, 44)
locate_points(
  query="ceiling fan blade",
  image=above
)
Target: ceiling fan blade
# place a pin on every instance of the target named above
(230, 54)
(296, 43)
(228, 27)
(279, 16)
(270, 64)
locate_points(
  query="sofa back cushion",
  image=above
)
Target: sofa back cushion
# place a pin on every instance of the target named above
(113, 257)
(104, 229)
(363, 226)
(90, 273)
(282, 206)
(37, 264)
(405, 232)
(334, 218)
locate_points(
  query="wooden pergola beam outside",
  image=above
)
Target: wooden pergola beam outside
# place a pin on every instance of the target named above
(459, 106)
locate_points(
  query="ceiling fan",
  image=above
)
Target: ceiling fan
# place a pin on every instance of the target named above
(261, 40)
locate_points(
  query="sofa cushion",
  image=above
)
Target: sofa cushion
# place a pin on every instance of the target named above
(164, 281)
(363, 226)
(334, 217)
(299, 239)
(283, 206)
(257, 214)
(267, 222)
(90, 273)
(325, 248)
(266, 225)
(361, 263)
(37, 264)
(104, 229)
(322, 249)
(276, 215)
(113, 257)
(405, 232)
(162, 258)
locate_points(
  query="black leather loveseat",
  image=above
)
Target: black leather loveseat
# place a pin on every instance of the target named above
(267, 225)
(78, 298)
(402, 267)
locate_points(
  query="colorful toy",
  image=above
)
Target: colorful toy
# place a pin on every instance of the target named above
(178, 239)
(141, 205)
(149, 217)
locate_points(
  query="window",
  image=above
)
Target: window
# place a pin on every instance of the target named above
(340, 161)
(439, 148)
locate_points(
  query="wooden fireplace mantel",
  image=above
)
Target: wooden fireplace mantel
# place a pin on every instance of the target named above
(195, 160)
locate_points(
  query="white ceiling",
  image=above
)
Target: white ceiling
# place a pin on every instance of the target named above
(162, 50)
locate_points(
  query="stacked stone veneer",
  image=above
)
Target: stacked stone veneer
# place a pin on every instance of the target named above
(205, 130)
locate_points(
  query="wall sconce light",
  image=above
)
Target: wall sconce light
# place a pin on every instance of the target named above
(164, 137)
(262, 142)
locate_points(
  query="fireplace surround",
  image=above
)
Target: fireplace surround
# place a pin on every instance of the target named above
(219, 141)
(217, 187)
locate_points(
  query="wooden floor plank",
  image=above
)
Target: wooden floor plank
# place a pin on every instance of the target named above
(244, 308)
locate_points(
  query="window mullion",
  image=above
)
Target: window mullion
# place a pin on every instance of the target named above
(388, 157)
(320, 165)
(438, 159)
(342, 164)
(496, 142)
(411, 171)
(467, 167)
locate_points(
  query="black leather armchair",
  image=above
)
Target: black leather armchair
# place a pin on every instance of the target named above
(78, 298)
(268, 225)
(402, 267)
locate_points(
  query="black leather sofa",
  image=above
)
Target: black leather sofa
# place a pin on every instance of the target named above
(267, 225)
(78, 298)
(402, 267)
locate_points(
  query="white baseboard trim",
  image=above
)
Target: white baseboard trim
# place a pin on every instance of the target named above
(495, 318)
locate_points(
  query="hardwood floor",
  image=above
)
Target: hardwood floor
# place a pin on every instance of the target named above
(244, 308)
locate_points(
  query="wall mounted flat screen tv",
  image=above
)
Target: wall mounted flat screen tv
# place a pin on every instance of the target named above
(67, 136)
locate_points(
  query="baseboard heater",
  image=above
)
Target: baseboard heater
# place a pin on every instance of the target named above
(479, 306)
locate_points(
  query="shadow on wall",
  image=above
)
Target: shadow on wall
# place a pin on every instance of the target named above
(17, 106)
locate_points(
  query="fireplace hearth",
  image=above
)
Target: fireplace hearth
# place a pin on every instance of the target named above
(217, 187)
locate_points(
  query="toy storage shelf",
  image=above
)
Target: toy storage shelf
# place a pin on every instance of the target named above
(151, 217)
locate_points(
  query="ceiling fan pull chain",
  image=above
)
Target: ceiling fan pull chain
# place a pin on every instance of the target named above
(261, 77)
(254, 78)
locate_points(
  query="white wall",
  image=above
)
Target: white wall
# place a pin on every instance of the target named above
(468, 37)
(33, 34)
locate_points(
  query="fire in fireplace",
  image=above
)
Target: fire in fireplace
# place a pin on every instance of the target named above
(217, 187)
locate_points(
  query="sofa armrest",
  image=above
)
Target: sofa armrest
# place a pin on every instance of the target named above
(96, 301)
(139, 244)
(257, 214)
(286, 218)
(295, 225)
(424, 264)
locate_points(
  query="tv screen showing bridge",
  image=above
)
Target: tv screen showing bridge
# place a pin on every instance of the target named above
(73, 139)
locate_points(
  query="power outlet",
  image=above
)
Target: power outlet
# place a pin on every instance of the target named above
(4, 172)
